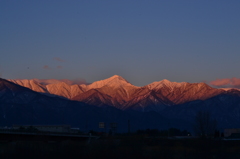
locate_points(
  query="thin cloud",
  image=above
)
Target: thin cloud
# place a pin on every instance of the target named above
(59, 67)
(46, 67)
(226, 83)
(58, 59)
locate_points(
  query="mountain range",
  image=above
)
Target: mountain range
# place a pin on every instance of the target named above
(118, 92)
(160, 104)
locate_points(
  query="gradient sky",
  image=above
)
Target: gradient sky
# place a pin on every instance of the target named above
(141, 40)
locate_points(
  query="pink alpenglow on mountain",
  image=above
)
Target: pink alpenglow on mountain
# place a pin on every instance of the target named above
(118, 92)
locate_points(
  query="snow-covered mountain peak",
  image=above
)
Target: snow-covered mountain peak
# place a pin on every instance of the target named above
(116, 77)
(114, 81)
(116, 91)
(165, 83)
(202, 85)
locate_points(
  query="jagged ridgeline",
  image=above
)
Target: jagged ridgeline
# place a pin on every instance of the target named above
(157, 105)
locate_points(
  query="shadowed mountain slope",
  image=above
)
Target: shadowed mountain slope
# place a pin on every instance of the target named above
(158, 105)
(22, 106)
(118, 92)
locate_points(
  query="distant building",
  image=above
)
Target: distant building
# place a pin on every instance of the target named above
(47, 128)
(229, 132)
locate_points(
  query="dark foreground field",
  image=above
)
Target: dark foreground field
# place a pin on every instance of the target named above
(119, 147)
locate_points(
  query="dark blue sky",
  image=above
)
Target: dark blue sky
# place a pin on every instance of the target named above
(141, 40)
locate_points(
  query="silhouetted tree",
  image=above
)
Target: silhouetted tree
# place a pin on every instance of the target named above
(204, 125)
